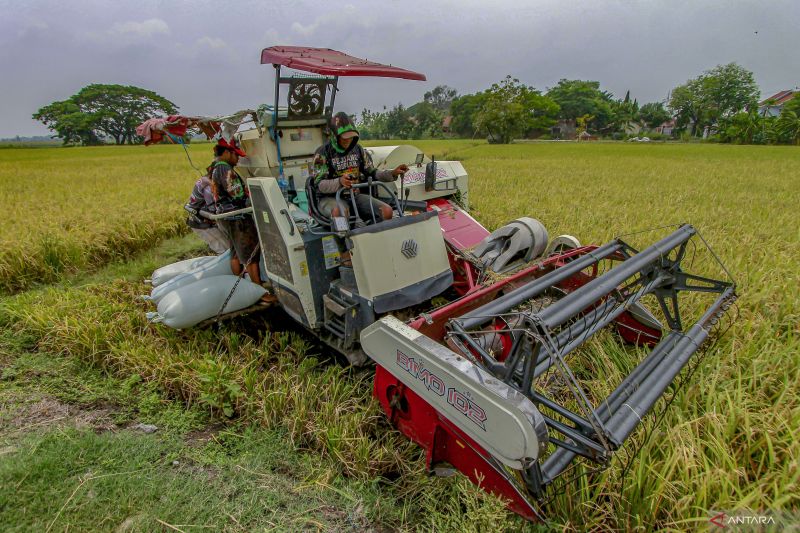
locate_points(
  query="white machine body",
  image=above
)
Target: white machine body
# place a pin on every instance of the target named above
(393, 260)
(500, 419)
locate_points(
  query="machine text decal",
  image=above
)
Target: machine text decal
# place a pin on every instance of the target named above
(413, 176)
(461, 401)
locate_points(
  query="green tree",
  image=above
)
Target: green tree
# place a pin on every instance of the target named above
(511, 108)
(687, 105)
(624, 113)
(398, 122)
(426, 120)
(463, 109)
(730, 89)
(440, 97)
(372, 125)
(653, 114)
(581, 124)
(69, 123)
(103, 110)
(542, 110)
(578, 98)
(717, 94)
(743, 128)
(120, 108)
(788, 124)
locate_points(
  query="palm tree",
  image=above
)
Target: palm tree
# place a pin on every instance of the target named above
(788, 126)
(743, 127)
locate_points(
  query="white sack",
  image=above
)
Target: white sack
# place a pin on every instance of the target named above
(186, 306)
(166, 273)
(218, 266)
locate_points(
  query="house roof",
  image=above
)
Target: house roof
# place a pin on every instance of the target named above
(779, 98)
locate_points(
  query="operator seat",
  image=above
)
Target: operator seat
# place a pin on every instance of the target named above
(313, 203)
(313, 206)
(353, 219)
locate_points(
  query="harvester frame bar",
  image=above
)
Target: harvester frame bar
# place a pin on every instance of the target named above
(643, 387)
(545, 338)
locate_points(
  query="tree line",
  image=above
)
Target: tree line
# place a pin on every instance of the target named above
(510, 109)
(720, 104)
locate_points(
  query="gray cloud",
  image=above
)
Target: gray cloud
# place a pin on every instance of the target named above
(205, 56)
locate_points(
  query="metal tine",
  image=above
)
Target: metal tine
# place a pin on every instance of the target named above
(622, 423)
(487, 312)
(633, 380)
(584, 297)
(572, 337)
(641, 389)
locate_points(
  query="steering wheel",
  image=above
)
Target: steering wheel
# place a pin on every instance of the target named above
(322, 219)
(354, 217)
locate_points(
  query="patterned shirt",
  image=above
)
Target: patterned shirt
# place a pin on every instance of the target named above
(330, 165)
(201, 199)
(228, 188)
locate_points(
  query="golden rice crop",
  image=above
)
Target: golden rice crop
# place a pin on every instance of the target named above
(71, 209)
(729, 440)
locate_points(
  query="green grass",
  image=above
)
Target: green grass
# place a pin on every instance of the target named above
(729, 440)
(272, 380)
(77, 480)
(80, 465)
(71, 459)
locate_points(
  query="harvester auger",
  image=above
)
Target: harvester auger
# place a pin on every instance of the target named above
(478, 339)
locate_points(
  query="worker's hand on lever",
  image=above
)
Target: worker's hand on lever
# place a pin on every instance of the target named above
(346, 181)
(402, 169)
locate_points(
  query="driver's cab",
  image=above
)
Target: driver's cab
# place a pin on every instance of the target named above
(396, 263)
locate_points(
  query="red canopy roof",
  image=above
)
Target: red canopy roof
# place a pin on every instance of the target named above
(331, 63)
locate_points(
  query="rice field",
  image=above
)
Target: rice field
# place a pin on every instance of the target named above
(70, 210)
(728, 442)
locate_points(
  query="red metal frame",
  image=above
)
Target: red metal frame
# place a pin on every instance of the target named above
(332, 63)
(461, 232)
(433, 324)
(442, 440)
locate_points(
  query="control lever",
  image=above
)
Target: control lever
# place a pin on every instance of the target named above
(430, 175)
(401, 204)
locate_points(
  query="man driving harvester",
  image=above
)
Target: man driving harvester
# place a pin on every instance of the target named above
(342, 162)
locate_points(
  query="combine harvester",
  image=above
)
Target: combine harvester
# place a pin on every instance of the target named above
(475, 336)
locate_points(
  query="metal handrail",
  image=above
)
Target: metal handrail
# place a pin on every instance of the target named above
(224, 216)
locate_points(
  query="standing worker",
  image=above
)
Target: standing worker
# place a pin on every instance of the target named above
(202, 199)
(230, 194)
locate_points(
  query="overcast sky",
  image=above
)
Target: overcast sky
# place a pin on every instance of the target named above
(204, 56)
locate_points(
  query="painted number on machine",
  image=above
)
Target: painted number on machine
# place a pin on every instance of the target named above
(459, 400)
